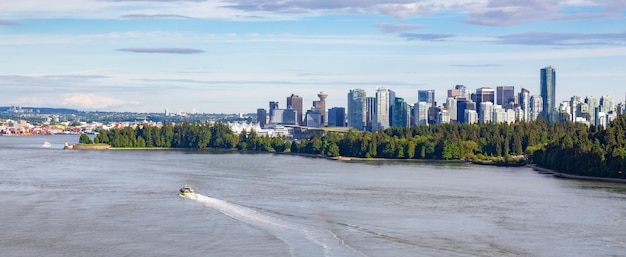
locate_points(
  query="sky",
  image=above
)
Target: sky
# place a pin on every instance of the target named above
(234, 56)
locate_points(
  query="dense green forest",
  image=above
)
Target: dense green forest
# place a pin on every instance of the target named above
(564, 147)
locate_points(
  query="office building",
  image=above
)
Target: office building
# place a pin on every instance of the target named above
(536, 107)
(370, 103)
(420, 113)
(505, 96)
(273, 106)
(400, 113)
(524, 103)
(337, 117)
(384, 102)
(548, 92)
(295, 102)
(261, 117)
(314, 118)
(450, 105)
(426, 96)
(321, 105)
(483, 95)
(357, 109)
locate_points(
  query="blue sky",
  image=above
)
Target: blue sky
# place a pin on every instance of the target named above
(230, 56)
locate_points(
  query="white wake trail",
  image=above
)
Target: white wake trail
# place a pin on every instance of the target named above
(302, 239)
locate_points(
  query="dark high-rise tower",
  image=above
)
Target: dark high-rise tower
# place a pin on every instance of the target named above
(295, 102)
(506, 95)
(427, 96)
(548, 89)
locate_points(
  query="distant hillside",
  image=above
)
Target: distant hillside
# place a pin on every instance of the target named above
(41, 110)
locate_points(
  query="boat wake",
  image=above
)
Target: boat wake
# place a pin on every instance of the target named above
(301, 239)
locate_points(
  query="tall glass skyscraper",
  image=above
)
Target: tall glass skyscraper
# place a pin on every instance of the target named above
(357, 109)
(548, 88)
(426, 96)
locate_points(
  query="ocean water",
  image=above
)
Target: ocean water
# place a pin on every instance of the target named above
(124, 203)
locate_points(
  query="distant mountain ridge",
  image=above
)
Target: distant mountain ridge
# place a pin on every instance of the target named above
(41, 110)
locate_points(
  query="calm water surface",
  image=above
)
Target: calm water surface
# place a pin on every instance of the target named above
(125, 203)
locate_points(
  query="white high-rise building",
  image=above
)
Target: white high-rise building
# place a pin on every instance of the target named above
(420, 113)
(486, 112)
(524, 103)
(384, 99)
(451, 107)
(471, 117)
(443, 116)
(606, 104)
(592, 103)
(536, 106)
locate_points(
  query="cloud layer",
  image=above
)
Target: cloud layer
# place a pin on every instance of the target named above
(161, 50)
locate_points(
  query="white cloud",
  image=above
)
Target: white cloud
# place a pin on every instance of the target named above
(92, 101)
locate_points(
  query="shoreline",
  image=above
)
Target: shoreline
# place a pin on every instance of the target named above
(538, 169)
(546, 171)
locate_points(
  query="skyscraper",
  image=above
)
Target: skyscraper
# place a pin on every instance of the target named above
(261, 117)
(371, 112)
(321, 104)
(295, 102)
(357, 109)
(548, 88)
(336, 117)
(483, 95)
(273, 106)
(401, 117)
(420, 114)
(381, 116)
(426, 96)
(524, 102)
(506, 95)
(536, 106)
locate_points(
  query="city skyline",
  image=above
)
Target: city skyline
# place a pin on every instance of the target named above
(234, 56)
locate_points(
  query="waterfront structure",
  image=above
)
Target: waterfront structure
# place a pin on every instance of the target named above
(548, 92)
(505, 96)
(321, 105)
(524, 103)
(536, 107)
(261, 117)
(337, 117)
(357, 109)
(295, 102)
(426, 96)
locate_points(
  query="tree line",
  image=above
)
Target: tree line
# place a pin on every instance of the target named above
(562, 146)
